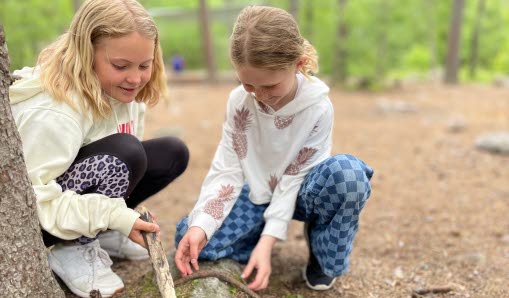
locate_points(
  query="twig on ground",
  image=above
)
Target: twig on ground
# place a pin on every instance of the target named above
(416, 293)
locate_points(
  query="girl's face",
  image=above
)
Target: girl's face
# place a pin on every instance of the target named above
(124, 65)
(274, 88)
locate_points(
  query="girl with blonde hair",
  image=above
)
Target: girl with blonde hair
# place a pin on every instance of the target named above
(274, 162)
(80, 115)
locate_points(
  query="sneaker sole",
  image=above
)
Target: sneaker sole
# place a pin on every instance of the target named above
(57, 268)
(317, 287)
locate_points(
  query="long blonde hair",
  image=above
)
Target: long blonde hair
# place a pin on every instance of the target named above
(67, 64)
(269, 38)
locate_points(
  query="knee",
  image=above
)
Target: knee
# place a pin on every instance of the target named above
(130, 151)
(178, 152)
(349, 165)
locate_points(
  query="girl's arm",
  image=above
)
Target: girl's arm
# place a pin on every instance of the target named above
(222, 184)
(51, 140)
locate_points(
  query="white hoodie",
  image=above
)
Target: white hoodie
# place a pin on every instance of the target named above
(272, 151)
(52, 133)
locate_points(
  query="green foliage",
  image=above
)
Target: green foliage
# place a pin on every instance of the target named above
(386, 38)
(31, 25)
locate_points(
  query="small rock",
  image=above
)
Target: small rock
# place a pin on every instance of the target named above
(497, 142)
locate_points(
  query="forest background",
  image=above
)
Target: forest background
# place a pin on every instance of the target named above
(362, 43)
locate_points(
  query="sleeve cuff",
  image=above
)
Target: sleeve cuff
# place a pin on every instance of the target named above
(123, 220)
(203, 221)
(276, 228)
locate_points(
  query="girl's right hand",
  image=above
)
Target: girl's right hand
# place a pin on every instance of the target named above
(139, 226)
(188, 250)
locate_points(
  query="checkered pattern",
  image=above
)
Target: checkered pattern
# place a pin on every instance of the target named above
(330, 200)
(239, 233)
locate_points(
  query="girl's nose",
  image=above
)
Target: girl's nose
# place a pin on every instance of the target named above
(134, 77)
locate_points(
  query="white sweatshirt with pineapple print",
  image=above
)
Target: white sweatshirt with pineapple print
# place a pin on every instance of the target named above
(271, 151)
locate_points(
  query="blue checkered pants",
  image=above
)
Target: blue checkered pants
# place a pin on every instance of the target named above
(330, 200)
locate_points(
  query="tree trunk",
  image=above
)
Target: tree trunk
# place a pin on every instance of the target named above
(474, 43)
(308, 29)
(208, 46)
(76, 4)
(25, 271)
(452, 63)
(339, 72)
(294, 9)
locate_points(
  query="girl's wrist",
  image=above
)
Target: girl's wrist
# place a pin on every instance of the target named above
(268, 240)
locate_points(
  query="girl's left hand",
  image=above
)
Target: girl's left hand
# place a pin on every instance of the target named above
(260, 259)
(139, 226)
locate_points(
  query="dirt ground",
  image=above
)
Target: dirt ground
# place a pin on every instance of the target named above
(438, 214)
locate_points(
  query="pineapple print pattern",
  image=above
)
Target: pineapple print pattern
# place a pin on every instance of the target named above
(273, 181)
(302, 159)
(283, 122)
(242, 120)
(215, 207)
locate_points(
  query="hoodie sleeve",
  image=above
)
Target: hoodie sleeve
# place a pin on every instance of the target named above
(51, 141)
(316, 148)
(222, 184)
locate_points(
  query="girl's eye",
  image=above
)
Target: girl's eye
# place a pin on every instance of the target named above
(143, 67)
(119, 67)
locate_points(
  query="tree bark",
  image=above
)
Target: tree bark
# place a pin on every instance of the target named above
(452, 63)
(24, 271)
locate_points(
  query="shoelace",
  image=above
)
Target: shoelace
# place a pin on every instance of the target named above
(92, 253)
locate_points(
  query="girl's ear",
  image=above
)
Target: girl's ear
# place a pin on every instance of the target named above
(300, 64)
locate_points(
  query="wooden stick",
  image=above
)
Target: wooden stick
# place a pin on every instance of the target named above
(158, 258)
(439, 290)
(221, 276)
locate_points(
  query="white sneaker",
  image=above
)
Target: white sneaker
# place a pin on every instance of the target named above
(119, 246)
(84, 268)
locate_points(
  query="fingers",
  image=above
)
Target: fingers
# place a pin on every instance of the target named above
(138, 238)
(183, 257)
(261, 281)
(248, 270)
(146, 226)
(194, 255)
(179, 259)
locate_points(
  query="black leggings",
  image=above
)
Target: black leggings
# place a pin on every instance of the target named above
(121, 166)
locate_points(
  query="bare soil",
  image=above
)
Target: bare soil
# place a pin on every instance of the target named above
(438, 214)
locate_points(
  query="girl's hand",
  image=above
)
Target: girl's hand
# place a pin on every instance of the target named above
(260, 259)
(188, 250)
(141, 225)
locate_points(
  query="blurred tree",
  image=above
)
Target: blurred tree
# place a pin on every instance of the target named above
(474, 42)
(25, 271)
(339, 72)
(294, 8)
(76, 4)
(452, 62)
(207, 41)
(309, 16)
